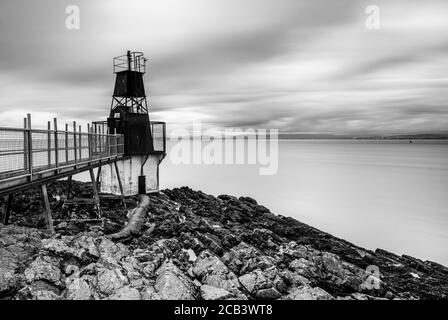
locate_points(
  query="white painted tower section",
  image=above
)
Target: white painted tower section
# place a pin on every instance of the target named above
(130, 170)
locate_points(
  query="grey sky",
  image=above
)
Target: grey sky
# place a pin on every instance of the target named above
(299, 66)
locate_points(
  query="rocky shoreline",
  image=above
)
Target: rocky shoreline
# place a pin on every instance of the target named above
(195, 246)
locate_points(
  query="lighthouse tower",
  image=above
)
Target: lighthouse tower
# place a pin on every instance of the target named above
(144, 140)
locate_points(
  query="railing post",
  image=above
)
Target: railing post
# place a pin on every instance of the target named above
(89, 143)
(30, 146)
(99, 142)
(56, 147)
(49, 142)
(66, 143)
(80, 143)
(74, 141)
(25, 146)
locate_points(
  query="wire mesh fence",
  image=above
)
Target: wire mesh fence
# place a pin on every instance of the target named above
(25, 151)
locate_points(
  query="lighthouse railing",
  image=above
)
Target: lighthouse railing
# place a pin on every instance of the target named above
(158, 131)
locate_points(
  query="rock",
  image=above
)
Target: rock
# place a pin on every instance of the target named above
(294, 278)
(255, 281)
(18, 247)
(304, 268)
(214, 293)
(209, 269)
(171, 284)
(309, 293)
(149, 293)
(110, 252)
(237, 257)
(196, 246)
(268, 294)
(78, 289)
(35, 293)
(191, 255)
(245, 258)
(109, 281)
(44, 268)
(125, 293)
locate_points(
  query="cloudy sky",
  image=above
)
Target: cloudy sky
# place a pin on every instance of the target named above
(299, 66)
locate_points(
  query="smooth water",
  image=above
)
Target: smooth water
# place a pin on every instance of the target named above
(377, 194)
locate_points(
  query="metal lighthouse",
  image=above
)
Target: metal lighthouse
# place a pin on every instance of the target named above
(144, 140)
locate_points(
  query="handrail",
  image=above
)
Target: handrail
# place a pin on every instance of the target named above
(27, 151)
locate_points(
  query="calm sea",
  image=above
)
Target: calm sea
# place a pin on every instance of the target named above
(376, 194)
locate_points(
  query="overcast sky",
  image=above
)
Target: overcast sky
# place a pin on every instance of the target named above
(299, 66)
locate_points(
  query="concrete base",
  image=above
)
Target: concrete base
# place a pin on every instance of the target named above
(129, 170)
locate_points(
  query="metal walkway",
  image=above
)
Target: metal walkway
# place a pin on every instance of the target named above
(30, 157)
(33, 157)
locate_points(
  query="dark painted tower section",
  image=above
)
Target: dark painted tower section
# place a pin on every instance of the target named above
(129, 109)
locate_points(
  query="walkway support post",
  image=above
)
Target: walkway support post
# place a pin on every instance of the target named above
(69, 186)
(95, 191)
(8, 199)
(48, 217)
(119, 183)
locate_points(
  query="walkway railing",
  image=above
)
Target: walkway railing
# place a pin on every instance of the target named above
(26, 152)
